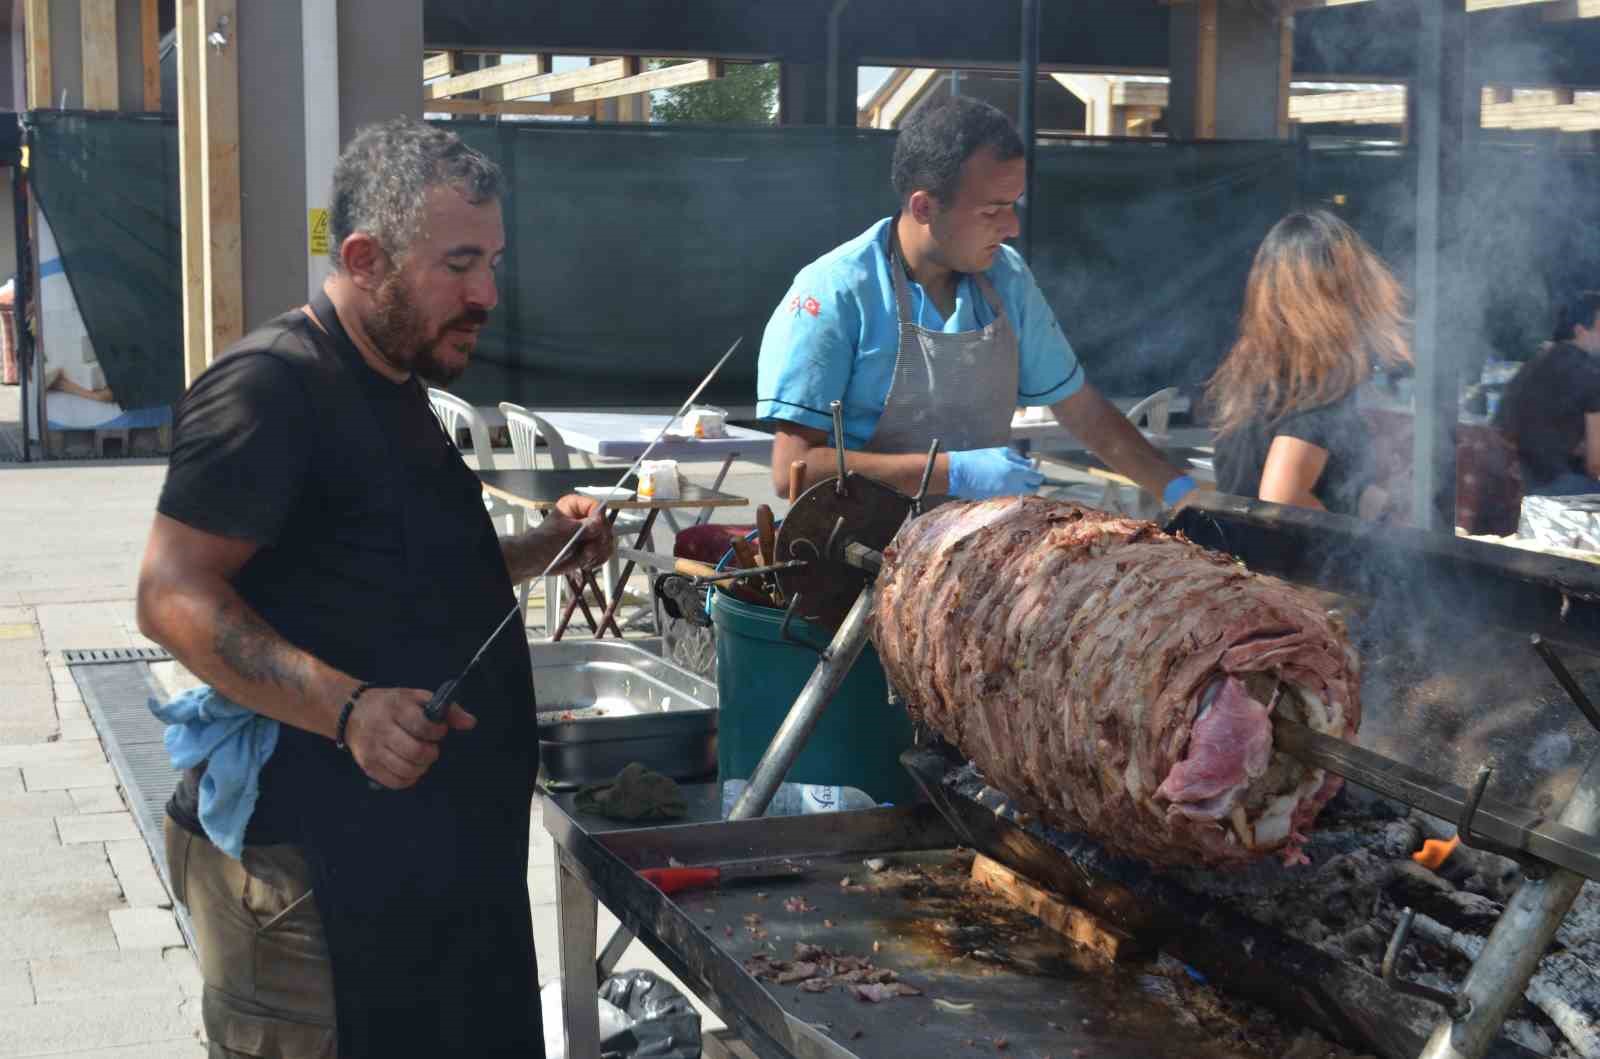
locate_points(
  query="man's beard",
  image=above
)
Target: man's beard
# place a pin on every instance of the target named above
(397, 328)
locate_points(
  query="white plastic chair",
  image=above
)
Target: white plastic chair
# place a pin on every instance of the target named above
(527, 428)
(1151, 416)
(453, 413)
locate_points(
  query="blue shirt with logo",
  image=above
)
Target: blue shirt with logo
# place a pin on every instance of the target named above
(835, 335)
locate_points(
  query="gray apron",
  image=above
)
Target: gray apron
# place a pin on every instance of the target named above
(960, 388)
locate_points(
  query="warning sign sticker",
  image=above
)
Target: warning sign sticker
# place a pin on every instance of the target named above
(317, 227)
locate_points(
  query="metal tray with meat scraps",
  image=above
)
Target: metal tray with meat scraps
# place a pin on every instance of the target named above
(603, 705)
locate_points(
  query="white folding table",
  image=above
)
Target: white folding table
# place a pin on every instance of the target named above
(622, 436)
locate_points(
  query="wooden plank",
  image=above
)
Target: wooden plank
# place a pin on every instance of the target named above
(1081, 927)
(219, 132)
(495, 106)
(37, 25)
(488, 77)
(689, 73)
(906, 93)
(98, 28)
(441, 65)
(546, 84)
(150, 52)
(1566, 10)
(1369, 107)
(1205, 72)
(1139, 93)
(191, 189)
(634, 107)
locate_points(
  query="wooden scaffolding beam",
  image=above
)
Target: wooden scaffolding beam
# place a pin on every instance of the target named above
(150, 52)
(37, 25)
(208, 181)
(488, 77)
(97, 28)
(692, 72)
(551, 83)
(440, 64)
(499, 106)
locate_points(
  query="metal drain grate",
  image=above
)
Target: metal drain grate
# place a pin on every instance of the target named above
(117, 691)
(108, 655)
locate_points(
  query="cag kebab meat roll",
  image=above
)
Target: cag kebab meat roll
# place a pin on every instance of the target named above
(1114, 679)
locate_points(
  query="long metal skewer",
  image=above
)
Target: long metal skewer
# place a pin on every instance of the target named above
(440, 703)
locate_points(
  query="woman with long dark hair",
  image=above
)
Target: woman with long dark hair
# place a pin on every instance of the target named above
(1320, 310)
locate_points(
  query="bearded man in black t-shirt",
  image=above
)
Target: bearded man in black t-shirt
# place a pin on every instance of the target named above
(321, 557)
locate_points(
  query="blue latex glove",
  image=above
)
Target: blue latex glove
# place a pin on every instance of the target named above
(977, 474)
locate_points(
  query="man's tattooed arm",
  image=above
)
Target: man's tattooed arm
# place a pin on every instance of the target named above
(255, 651)
(187, 603)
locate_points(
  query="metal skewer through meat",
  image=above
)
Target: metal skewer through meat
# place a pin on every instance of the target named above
(1114, 679)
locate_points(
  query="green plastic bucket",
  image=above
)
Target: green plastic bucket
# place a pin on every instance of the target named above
(858, 741)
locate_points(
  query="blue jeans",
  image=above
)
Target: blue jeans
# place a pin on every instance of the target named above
(1570, 483)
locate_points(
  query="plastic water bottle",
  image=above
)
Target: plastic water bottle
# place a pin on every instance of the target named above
(800, 799)
(834, 799)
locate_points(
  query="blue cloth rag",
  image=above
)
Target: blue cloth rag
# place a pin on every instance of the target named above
(205, 725)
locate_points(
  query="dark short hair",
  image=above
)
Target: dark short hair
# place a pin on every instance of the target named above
(931, 150)
(1579, 309)
(386, 171)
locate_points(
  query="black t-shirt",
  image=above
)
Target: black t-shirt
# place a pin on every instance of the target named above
(1543, 409)
(1337, 428)
(242, 466)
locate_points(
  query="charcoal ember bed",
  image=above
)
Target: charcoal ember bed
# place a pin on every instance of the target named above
(1345, 905)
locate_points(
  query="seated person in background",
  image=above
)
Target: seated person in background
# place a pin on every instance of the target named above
(1319, 309)
(56, 379)
(1551, 410)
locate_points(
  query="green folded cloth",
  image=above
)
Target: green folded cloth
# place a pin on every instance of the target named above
(635, 794)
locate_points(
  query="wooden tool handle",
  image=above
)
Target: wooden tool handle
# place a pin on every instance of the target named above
(766, 535)
(797, 479)
(744, 554)
(693, 568)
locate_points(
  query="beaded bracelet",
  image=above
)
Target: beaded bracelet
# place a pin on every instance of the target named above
(344, 715)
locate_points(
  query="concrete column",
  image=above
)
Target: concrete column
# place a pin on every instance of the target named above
(279, 104)
(1228, 61)
(802, 94)
(1448, 109)
(380, 62)
(272, 159)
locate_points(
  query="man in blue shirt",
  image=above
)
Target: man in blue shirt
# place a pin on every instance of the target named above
(927, 325)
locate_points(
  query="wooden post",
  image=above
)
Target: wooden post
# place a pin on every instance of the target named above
(219, 154)
(40, 84)
(98, 29)
(634, 107)
(150, 52)
(208, 180)
(191, 189)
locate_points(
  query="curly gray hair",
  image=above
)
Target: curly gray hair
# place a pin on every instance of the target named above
(385, 172)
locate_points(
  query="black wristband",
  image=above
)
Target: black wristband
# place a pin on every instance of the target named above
(344, 715)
